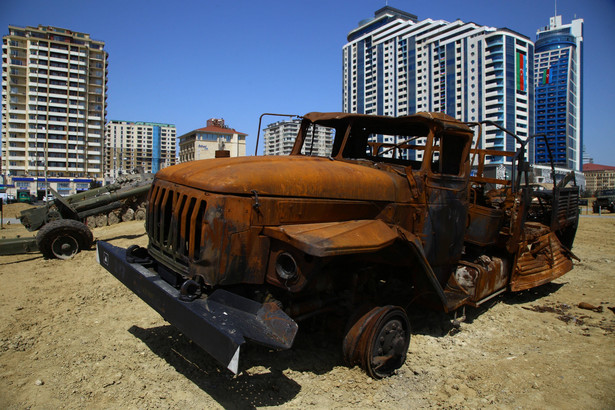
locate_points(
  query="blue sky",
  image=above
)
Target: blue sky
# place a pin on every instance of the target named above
(183, 62)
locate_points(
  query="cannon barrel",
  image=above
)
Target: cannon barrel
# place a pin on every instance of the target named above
(93, 192)
(105, 199)
(100, 210)
(83, 204)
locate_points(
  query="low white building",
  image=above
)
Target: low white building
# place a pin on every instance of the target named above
(203, 143)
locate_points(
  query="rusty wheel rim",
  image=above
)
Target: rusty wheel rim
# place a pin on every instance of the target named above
(388, 343)
(378, 341)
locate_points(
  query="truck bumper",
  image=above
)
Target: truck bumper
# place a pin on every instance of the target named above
(219, 323)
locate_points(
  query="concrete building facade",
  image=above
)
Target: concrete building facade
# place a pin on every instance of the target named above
(279, 138)
(599, 177)
(131, 145)
(203, 143)
(394, 64)
(54, 92)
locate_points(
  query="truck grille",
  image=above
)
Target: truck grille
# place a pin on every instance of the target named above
(175, 221)
(567, 206)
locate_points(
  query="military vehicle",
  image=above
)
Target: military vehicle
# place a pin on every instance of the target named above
(63, 223)
(605, 200)
(403, 213)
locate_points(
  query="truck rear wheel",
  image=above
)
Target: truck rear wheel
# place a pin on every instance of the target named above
(63, 239)
(378, 341)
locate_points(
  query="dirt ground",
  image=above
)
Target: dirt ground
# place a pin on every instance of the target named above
(71, 336)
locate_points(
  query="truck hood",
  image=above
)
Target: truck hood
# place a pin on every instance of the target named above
(289, 176)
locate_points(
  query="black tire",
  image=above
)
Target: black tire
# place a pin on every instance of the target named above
(63, 239)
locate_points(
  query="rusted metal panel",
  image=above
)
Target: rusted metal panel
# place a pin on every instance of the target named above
(484, 225)
(540, 260)
(482, 277)
(203, 235)
(335, 238)
(287, 211)
(444, 227)
(296, 177)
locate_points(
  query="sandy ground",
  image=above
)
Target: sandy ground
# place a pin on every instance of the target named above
(71, 336)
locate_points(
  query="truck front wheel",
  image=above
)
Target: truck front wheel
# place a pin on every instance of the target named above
(63, 239)
(378, 341)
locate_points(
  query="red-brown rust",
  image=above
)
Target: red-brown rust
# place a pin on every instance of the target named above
(378, 341)
(540, 263)
(375, 222)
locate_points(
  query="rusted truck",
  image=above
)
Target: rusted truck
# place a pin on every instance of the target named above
(403, 213)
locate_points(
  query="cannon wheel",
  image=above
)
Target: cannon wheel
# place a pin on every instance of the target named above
(378, 341)
(63, 238)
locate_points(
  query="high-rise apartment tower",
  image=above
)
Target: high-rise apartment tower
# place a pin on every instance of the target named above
(130, 146)
(54, 91)
(558, 72)
(396, 65)
(279, 138)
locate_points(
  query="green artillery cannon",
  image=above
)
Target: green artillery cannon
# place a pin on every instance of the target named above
(60, 223)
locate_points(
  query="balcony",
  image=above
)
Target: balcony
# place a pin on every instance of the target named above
(494, 94)
(494, 41)
(17, 127)
(17, 166)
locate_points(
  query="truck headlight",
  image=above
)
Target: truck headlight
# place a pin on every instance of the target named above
(286, 266)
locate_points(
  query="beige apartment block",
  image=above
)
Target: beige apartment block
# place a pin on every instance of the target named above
(216, 136)
(279, 138)
(138, 146)
(599, 177)
(54, 92)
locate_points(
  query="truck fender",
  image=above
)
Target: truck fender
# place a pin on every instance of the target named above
(359, 236)
(335, 238)
(427, 279)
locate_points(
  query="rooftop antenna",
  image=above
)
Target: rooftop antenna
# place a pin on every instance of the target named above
(555, 8)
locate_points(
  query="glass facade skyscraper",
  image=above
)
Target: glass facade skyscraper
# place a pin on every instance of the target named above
(396, 65)
(558, 82)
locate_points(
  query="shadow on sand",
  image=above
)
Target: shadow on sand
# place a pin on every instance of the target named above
(315, 350)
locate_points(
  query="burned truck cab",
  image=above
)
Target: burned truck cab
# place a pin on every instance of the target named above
(247, 249)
